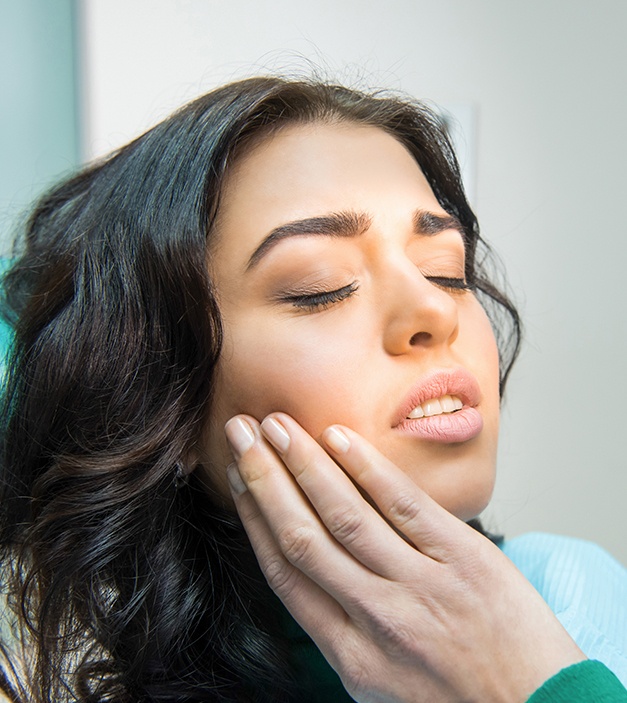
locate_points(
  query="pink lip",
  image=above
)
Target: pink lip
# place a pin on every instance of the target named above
(459, 426)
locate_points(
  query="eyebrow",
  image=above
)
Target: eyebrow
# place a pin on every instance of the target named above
(428, 223)
(348, 224)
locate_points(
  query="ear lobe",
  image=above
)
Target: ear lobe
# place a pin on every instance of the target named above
(184, 467)
(188, 463)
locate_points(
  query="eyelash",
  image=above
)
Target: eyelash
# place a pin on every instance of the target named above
(454, 285)
(324, 299)
(321, 300)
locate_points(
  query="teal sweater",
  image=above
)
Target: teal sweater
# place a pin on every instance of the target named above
(587, 682)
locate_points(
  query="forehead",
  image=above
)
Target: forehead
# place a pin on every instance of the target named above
(314, 169)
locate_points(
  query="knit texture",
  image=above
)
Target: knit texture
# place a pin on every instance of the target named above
(586, 682)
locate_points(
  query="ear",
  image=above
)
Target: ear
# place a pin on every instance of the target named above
(188, 462)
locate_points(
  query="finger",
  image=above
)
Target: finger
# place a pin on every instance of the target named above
(432, 529)
(347, 515)
(294, 525)
(320, 616)
(312, 607)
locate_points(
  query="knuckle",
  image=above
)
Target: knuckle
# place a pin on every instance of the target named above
(297, 543)
(346, 525)
(404, 509)
(280, 577)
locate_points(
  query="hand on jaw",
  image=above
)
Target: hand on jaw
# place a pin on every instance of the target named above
(441, 615)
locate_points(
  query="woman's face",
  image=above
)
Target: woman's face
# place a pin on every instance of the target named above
(338, 277)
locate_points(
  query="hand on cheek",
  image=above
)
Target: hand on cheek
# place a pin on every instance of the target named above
(438, 612)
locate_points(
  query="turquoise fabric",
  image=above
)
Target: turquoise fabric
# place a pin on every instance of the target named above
(585, 587)
(6, 333)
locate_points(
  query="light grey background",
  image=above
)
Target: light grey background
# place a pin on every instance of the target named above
(545, 82)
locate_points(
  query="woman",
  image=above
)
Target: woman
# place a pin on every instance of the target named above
(284, 246)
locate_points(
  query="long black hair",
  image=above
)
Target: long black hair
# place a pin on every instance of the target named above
(125, 584)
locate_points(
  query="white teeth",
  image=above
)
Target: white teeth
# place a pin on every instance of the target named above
(448, 404)
(436, 406)
(432, 407)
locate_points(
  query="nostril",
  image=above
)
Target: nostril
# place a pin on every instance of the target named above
(420, 338)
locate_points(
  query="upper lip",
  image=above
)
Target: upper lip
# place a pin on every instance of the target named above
(458, 382)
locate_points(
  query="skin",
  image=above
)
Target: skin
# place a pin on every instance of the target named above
(441, 616)
(355, 360)
(359, 527)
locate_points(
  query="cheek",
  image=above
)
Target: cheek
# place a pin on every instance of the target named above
(480, 355)
(483, 354)
(321, 374)
(309, 372)
(265, 369)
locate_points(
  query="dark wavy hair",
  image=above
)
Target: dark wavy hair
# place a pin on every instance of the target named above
(125, 584)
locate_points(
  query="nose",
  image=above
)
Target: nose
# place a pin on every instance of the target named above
(418, 314)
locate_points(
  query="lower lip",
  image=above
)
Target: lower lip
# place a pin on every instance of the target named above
(448, 428)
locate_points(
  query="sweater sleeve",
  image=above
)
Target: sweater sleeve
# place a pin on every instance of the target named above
(586, 682)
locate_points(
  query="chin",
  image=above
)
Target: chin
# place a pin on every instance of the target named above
(467, 504)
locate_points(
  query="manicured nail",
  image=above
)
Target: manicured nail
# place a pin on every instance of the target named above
(235, 479)
(240, 435)
(276, 433)
(336, 440)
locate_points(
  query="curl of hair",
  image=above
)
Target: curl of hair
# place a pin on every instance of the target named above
(126, 587)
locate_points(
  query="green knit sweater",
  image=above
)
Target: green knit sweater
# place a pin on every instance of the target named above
(586, 682)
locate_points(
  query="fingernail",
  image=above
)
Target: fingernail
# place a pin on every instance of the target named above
(276, 433)
(336, 440)
(235, 479)
(240, 435)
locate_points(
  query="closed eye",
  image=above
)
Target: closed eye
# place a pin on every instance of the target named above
(319, 300)
(452, 284)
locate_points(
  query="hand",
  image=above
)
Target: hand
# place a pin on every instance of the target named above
(406, 602)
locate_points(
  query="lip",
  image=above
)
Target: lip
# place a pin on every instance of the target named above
(459, 426)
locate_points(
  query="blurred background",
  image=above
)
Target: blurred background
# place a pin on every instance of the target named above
(539, 92)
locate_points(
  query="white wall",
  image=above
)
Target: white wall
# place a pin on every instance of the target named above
(547, 79)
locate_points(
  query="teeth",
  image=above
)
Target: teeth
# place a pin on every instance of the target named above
(448, 404)
(432, 407)
(436, 406)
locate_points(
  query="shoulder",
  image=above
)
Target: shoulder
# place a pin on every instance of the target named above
(584, 586)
